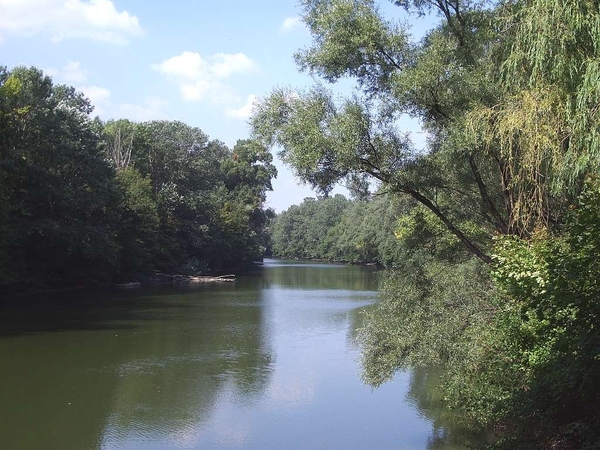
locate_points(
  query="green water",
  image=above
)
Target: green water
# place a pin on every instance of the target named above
(269, 362)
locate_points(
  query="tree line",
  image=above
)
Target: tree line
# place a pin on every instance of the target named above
(86, 202)
(497, 219)
(359, 231)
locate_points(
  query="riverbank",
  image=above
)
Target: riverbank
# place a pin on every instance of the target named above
(18, 290)
(168, 279)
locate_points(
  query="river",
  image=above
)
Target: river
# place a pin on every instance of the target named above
(269, 362)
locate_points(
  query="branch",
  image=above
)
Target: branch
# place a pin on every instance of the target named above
(391, 60)
(453, 229)
(499, 223)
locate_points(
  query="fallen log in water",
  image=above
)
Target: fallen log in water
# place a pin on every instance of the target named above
(161, 278)
(207, 279)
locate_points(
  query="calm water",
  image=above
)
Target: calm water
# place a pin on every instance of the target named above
(266, 363)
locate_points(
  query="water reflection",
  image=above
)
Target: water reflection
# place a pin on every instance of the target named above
(143, 368)
(448, 432)
(315, 276)
(267, 363)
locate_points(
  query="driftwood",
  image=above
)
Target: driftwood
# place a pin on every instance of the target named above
(206, 279)
(161, 278)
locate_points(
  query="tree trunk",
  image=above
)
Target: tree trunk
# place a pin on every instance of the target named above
(453, 229)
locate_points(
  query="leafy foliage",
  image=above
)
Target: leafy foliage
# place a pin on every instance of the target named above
(552, 312)
(326, 140)
(85, 202)
(58, 192)
(424, 317)
(305, 231)
(508, 93)
(359, 231)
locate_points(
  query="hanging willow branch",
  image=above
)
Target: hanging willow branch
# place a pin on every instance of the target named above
(528, 132)
(556, 48)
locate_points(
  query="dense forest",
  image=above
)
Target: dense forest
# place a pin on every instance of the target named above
(86, 202)
(493, 229)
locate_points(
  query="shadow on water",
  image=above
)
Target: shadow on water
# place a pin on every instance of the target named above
(107, 310)
(82, 370)
(448, 432)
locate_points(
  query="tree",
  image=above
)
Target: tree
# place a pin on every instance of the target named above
(209, 198)
(118, 142)
(56, 186)
(138, 226)
(325, 140)
(84, 202)
(545, 128)
(338, 229)
(366, 232)
(247, 177)
(307, 231)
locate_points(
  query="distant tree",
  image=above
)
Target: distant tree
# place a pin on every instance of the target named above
(117, 137)
(305, 230)
(138, 226)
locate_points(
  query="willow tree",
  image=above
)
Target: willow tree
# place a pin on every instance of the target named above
(545, 129)
(437, 80)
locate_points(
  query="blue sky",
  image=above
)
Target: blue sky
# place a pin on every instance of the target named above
(201, 62)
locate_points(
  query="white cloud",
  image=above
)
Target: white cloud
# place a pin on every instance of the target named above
(98, 96)
(222, 64)
(290, 24)
(70, 73)
(67, 19)
(244, 111)
(197, 90)
(201, 79)
(192, 66)
(151, 108)
(186, 65)
(73, 73)
(215, 91)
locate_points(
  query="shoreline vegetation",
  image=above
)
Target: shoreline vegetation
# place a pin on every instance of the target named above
(492, 225)
(90, 203)
(492, 229)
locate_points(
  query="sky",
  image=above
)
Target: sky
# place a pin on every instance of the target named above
(202, 62)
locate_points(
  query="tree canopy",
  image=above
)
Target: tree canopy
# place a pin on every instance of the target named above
(87, 202)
